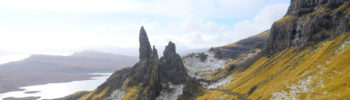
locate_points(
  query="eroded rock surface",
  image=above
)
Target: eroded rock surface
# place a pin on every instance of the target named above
(309, 22)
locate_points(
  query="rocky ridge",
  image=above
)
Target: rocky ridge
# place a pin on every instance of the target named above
(149, 79)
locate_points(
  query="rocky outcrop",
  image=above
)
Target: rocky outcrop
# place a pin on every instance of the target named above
(145, 47)
(171, 67)
(148, 78)
(152, 79)
(308, 22)
(169, 50)
(303, 7)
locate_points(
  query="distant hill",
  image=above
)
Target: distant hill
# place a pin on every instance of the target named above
(234, 50)
(41, 69)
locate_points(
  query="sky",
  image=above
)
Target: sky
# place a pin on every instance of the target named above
(62, 27)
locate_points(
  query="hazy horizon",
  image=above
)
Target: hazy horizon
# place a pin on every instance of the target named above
(64, 27)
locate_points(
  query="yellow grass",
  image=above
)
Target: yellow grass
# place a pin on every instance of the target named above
(131, 93)
(328, 66)
(284, 19)
(216, 95)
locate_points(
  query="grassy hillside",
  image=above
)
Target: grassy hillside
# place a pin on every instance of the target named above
(305, 57)
(318, 72)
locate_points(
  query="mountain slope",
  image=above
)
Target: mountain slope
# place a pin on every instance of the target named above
(306, 57)
(310, 73)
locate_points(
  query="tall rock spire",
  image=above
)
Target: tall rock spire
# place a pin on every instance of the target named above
(169, 49)
(171, 68)
(145, 49)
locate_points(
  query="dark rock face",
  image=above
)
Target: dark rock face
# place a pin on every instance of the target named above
(152, 79)
(302, 7)
(171, 67)
(170, 49)
(202, 56)
(145, 47)
(308, 22)
(282, 35)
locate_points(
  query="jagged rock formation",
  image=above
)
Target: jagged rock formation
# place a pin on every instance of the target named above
(171, 67)
(147, 79)
(152, 78)
(145, 46)
(309, 22)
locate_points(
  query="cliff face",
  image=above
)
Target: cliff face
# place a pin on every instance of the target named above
(307, 23)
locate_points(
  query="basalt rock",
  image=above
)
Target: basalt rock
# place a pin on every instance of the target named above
(303, 7)
(145, 47)
(308, 22)
(152, 79)
(171, 67)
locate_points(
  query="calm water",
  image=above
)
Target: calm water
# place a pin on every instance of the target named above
(56, 90)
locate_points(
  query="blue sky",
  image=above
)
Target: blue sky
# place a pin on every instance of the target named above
(65, 26)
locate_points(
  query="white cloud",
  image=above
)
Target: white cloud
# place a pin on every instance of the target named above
(261, 21)
(169, 8)
(191, 30)
(196, 32)
(72, 5)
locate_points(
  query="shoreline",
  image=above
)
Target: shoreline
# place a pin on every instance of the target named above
(40, 92)
(77, 77)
